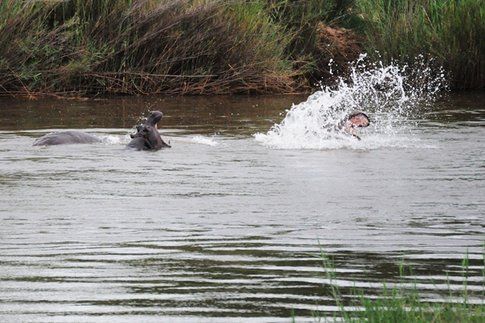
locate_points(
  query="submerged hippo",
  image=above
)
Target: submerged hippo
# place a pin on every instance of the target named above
(353, 121)
(147, 136)
(66, 137)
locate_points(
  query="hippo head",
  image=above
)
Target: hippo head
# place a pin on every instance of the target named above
(358, 120)
(146, 136)
(151, 121)
(352, 121)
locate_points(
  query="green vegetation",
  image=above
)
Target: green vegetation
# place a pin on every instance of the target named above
(450, 31)
(141, 47)
(395, 306)
(303, 21)
(78, 47)
(403, 303)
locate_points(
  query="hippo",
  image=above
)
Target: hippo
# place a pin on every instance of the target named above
(147, 136)
(66, 137)
(354, 120)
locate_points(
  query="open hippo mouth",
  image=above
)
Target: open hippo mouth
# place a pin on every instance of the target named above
(147, 136)
(143, 131)
(358, 120)
(151, 121)
(352, 122)
(154, 118)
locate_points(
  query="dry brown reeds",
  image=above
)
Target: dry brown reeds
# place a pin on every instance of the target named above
(141, 47)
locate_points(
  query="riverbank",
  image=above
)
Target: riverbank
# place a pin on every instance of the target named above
(87, 48)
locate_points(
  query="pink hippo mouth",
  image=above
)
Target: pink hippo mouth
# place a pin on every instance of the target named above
(358, 120)
(353, 121)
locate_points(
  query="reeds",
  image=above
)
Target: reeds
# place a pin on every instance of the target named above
(449, 31)
(402, 302)
(141, 47)
(303, 21)
(79, 47)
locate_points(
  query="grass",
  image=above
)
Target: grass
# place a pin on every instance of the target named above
(79, 47)
(141, 47)
(402, 303)
(450, 31)
(300, 18)
(303, 21)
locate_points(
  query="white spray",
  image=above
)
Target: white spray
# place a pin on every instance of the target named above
(386, 93)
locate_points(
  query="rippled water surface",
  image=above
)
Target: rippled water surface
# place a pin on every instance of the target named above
(223, 224)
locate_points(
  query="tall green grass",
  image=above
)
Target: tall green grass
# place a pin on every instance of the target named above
(301, 20)
(450, 31)
(141, 47)
(220, 47)
(301, 17)
(402, 302)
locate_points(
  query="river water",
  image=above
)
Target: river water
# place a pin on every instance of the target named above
(231, 221)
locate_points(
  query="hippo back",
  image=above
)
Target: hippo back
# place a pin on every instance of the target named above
(66, 137)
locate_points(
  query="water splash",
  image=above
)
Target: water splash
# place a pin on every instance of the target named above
(114, 139)
(204, 141)
(391, 94)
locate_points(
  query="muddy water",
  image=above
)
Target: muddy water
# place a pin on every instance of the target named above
(223, 225)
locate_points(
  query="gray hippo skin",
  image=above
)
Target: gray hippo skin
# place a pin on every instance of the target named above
(66, 137)
(147, 136)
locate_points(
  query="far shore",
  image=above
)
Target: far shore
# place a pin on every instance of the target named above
(87, 49)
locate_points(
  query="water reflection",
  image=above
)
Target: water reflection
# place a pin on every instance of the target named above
(239, 115)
